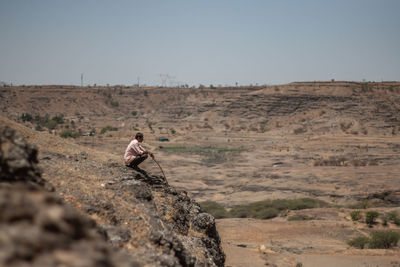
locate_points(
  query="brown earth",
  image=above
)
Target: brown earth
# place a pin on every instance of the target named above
(335, 141)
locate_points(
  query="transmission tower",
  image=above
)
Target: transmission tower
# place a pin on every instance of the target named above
(167, 78)
(164, 78)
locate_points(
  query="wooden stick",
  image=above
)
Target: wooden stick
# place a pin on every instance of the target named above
(165, 178)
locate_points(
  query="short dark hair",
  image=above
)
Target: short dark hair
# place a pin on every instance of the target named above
(138, 135)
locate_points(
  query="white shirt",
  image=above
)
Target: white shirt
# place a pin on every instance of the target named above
(134, 149)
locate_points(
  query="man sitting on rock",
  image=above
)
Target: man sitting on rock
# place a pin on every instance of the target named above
(135, 153)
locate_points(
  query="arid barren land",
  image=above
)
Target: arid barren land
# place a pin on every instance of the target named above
(334, 141)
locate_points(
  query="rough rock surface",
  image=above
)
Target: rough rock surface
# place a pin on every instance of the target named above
(36, 227)
(151, 221)
(186, 235)
(18, 160)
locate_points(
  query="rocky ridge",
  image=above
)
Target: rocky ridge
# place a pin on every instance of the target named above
(160, 226)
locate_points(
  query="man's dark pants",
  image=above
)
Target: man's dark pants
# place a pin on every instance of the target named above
(137, 160)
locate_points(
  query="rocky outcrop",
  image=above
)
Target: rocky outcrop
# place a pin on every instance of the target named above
(18, 160)
(186, 235)
(146, 222)
(36, 227)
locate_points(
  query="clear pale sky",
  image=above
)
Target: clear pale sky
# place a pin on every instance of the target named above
(198, 42)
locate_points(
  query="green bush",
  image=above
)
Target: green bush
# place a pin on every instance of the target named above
(298, 204)
(370, 217)
(384, 239)
(359, 242)
(68, 133)
(108, 128)
(50, 124)
(45, 121)
(59, 119)
(26, 117)
(134, 113)
(356, 215)
(270, 208)
(114, 103)
(214, 209)
(393, 217)
(266, 209)
(299, 217)
(363, 204)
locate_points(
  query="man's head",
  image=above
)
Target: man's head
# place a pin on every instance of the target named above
(139, 137)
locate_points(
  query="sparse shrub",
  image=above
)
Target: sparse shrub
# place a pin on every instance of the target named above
(68, 133)
(172, 131)
(108, 128)
(299, 130)
(45, 121)
(370, 217)
(385, 220)
(270, 208)
(364, 204)
(50, 124)
(214, 209)
(356, 215)
(134, 113)
(114, 103)
(359, 242)
(384, 239)
(266, 213)
(26, 117)
(145, 93)
(299, 217)
(393, 217)
(59, 119)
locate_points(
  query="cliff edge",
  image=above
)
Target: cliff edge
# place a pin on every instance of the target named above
(133, 219)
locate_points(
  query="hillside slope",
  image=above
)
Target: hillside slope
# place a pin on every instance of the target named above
(142, 214)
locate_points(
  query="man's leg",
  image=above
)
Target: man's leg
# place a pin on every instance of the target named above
(137, 160)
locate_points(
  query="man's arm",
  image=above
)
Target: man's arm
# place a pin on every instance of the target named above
(145, 151)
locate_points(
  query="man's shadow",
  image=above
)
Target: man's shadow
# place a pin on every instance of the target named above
(146, 177)
(139, 170)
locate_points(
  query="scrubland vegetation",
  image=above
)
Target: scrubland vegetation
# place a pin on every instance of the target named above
(378, 240)
(265, 209)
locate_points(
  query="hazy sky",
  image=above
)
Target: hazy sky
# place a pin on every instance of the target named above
(207, 41)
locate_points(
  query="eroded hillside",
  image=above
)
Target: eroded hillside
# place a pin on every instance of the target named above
(154, 223)
(332, 141)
